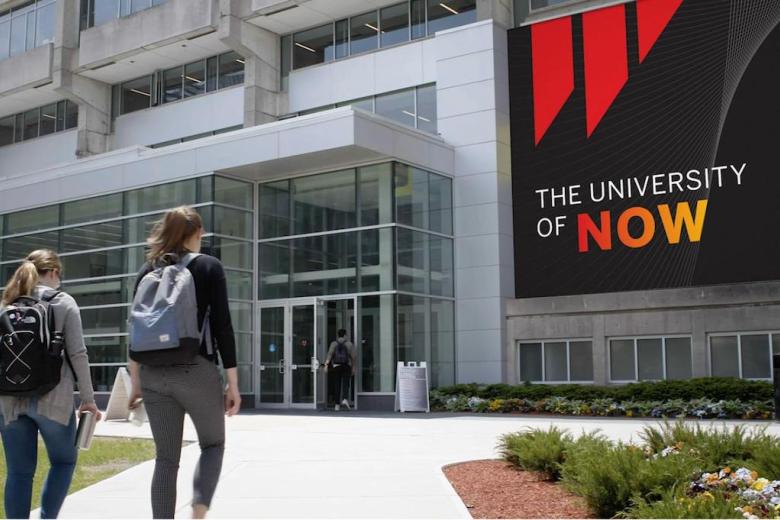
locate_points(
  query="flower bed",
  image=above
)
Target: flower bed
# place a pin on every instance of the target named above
(758, 496)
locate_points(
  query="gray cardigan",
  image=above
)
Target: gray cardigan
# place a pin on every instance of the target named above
(57, 405)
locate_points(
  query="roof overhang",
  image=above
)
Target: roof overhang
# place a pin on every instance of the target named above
(327, 140)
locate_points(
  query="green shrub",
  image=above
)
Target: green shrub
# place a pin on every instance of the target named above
(611, 478)
(673, 504)
(536, 450)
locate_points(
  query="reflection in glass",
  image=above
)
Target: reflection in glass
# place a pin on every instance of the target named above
(376, 194)
(47, 15)
(621, 358)
(137, 94)
(325, 265)
(324, 202)
(275, 209)
(110, 349)
(95, 236)
(19, 247)
(271, 355)
(447, 14)
(398, 106)
(96, 208)
(377, 347)
(441, 265)
(32, 219)
(160, 197)
(442, 342)
(724, 356)
(48, 119)
(342, 38)
(581, 361)
(756, 362)
(313, 46)
(426, 108)
(231, 69)
(274, 275)
(411, 196)
(412, 328)
(413, 261)
(440, 204)
(530, 362)
(376, 260)
(303, 349)
(31, 118)
(233, 192)
(100, 292)
(555, 364)
(233, 222)
(649, 359)
(678, 358)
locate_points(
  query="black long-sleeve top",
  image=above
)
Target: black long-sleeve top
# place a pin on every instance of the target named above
(210, 291)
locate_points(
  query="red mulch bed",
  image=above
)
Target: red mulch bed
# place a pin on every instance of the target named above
(495, 489)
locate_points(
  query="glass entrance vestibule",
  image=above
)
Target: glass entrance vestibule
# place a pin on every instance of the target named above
(368, 249)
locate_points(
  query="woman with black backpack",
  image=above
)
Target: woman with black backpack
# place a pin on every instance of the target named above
(22, 418)
(173, 363)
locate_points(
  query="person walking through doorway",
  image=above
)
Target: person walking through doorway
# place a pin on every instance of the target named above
(341, 360)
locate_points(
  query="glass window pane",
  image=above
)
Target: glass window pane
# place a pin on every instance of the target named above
(91, 265)
(172, 85)
(377, 345)
(31, 124)
(71, 114)
(49, 119)
(755, 356)
(211, 74)
(621, 358)
(275, 209)
(105, 10)
(137, 230)
(324, 202)
(417, 18)
(231, 69)
(442, 343)
(650, 362)
(232, 222)
(450, 13)
(30, 43)
(678, 358)
(286, 44)
(233, 192)
(413, 334)
(775, 344)
(18, 34)
(32, 219)
(366, 104)
(426, 108)
(724, 356)
(412, 264)
(363, 33)
(376, 194)
(440, 218)
(244, 348)
(441, 260)
(111, 349)
(161, 197)
(581, 360)
(325, 265)
(274, 260)
(555, 362)
(19, 124)
(104, 320)
(97, 208)
(61, 112)
(411, 196)
(140, 5)
(232, 253)
(45, 29)
(398, 106)
(18, 248)
(531, 362)
(101, 292)
(395, 24)
(342, 38)
(239, 285)
(103, 377)
(136, 94)
(5, 35)
(376, 260)
(95, 236)
(241, 316)
(6, 130)
(313, 46)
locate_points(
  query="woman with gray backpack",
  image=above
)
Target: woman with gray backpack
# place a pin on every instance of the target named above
(42, 356)
(180, 328)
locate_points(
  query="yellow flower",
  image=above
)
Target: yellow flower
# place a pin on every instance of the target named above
(754, 474)
(747, 509)
(708, 495)
(760, 484)
(727, 470)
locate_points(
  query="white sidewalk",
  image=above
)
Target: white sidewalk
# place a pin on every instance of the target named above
(331, 465)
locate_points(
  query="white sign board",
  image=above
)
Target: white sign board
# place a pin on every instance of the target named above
(120, 396)
(411, 387)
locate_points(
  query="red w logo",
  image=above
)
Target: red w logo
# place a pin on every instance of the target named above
(605, 55)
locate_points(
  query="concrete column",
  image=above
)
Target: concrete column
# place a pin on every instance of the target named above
(261, 49)
(500, 11)
(600, 368)
(699, 354)
(93, 97)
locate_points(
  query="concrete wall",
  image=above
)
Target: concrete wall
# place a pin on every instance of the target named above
(38, 153)
(26, 70)
(148, 29)
(193, 116)
(696, 312)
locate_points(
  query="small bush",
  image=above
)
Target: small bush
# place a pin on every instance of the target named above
(672, 504)
(536, 450)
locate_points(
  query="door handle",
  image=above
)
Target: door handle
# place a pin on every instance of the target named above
(294, 367)
(281, 366)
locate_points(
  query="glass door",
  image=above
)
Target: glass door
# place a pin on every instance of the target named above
(272, 354)
(303, 362)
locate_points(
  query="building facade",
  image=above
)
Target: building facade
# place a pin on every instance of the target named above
(352, 161)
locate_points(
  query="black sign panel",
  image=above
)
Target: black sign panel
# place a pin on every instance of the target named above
(645, 141)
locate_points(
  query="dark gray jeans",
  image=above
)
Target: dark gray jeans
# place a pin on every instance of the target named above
(169, 392)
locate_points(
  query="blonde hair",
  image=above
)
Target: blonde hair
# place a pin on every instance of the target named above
(27, 276)
(171, 232)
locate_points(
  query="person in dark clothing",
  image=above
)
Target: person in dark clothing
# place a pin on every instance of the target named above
(195, 388)
(341, 362)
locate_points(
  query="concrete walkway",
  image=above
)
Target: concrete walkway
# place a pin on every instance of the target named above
(325, 465)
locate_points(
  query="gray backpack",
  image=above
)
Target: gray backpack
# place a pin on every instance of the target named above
(163, 322)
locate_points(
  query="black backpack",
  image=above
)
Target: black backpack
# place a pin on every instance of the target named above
(30, 347)
(341, 354)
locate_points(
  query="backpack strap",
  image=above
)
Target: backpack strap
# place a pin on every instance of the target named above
(205, 331)
(47, 297)
(186, 259)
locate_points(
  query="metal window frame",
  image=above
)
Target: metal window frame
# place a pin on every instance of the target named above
(568, 342)
(769, 333)
(635, 339)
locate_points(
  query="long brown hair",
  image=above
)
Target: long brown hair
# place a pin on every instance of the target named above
(171, 232)
(26, 277)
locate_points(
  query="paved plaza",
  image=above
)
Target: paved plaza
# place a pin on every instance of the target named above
(325, 465)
